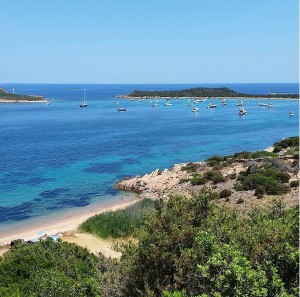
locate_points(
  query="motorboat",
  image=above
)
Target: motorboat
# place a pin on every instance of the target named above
(195, 109)
(291, 113)
(242, 111)
(122, 109)
(263, 104)
(211, 105)
(240, 103)
(271, 105)
(168, 104)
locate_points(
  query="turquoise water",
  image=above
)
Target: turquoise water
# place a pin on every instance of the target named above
(60, 156)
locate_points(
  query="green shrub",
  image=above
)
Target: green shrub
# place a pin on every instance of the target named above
(232, 175)
(214, 160)
(191, 167)
(260, 154)
(294, 183)
(198, 179)
(215, 176)
(225, 193)
(260, 191)
(288, 142)
(277, 148)
(239, 187)
(240, 201)
(272, 186)
(243, 155)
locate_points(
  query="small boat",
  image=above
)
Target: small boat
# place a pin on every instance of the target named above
(271, 105)
(211, 105)
(195, 109)
(197, 101)
(168, 104)
(122, 109)
(242, 111)
(223, 101)
(240, 103)
(83, 104)
(154, 105)
(291, 113)
(263, 104)
(117, 102)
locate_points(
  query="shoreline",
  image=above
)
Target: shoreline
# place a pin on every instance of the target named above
(22, 101)
(63, 222)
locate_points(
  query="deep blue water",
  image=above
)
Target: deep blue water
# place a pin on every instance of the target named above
(61, 156)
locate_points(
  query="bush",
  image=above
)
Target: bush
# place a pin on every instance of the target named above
(294, 183)
(214, 160)
(272, 186)
(243, 155)
(225, 193)
(232, 175)
(215, 176)
(239, 187)
(240, 201)
(260, 191)
(277, 149)
(191, 167)
(198, 179)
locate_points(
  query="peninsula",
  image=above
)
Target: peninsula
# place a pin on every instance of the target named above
(205, 92)
(17, 98)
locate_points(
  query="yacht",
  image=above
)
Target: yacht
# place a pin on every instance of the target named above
(211, 105)
(242, 111)
(122, 109)
(83, 104)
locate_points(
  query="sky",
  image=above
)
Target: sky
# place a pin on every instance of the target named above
(149, 41)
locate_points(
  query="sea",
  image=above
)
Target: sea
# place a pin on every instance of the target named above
(59, 157)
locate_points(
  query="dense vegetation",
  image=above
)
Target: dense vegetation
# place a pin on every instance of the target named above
(179, 247)
(206, 92)
(186, 247)
(119, 223)
(15, 97)
(48, 268)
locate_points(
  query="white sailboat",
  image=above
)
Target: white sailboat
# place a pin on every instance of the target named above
(83, 104)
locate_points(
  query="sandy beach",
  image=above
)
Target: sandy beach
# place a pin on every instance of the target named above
(62, 222)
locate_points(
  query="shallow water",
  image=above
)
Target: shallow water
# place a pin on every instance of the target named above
(62, 157)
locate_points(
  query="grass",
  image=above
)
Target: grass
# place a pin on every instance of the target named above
(119, 223)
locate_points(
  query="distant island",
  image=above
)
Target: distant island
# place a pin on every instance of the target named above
(204, 92)
(17, 98)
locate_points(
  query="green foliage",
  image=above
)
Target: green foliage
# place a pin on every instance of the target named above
(272, 180)
(49, 268)
(16, 97)
(225, 193)
(198, 179)
(120, 223)
(288, 142)
(192, 248)
(294, 183)
(215, 176)
(260, 191)
(205, 92)
(240, 201)
(191, 167)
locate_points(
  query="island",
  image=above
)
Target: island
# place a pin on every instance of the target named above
(204, 93)
(17, 98)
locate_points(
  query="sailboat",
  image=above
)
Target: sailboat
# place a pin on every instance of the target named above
(83, 104)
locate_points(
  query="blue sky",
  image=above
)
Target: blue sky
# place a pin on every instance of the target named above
(149, 41)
